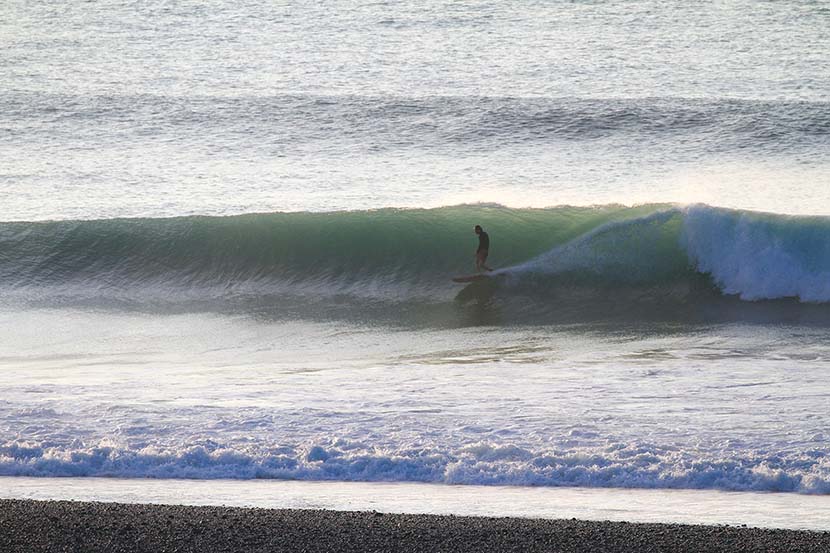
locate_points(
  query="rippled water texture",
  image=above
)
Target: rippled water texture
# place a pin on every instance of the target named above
(160, 109)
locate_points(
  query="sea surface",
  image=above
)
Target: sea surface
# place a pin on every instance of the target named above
(228, 232)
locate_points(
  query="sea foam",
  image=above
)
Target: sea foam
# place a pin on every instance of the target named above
(637, 465)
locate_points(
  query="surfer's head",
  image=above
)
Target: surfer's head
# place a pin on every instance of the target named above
(478, 229)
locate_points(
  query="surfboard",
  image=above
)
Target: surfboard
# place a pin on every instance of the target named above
(470, 278)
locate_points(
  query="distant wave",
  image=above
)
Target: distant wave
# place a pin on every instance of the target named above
(566, 254)
(387, 123)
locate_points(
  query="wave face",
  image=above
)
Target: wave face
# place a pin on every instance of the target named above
(389, 252)
(645, 253)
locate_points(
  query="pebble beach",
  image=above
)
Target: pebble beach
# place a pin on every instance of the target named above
(45, 526)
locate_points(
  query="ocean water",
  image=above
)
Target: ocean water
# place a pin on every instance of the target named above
(228, 232)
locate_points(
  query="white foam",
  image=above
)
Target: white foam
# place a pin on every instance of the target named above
(757, 256)
(605, 464)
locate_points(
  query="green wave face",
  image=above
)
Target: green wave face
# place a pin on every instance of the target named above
(394, 245)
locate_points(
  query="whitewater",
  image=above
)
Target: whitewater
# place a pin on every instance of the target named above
(640, 407)
(228, 233)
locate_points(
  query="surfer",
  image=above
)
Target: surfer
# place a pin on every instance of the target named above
(483, 249)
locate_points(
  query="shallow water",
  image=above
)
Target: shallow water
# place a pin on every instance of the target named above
(762, 510)
(734, 406)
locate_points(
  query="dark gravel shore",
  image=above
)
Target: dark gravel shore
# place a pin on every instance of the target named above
(31, 526)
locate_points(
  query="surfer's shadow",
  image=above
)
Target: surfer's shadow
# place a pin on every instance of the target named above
(480, 303)
(479, 291)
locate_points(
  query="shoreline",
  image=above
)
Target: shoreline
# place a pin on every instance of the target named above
(29, 525)
(670, 506)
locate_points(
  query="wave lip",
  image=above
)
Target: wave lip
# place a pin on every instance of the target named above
(760, 256)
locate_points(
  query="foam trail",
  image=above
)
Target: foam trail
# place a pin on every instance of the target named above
(645, 248)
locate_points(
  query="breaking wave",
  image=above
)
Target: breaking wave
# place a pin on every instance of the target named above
(623, 465)
(563, 254)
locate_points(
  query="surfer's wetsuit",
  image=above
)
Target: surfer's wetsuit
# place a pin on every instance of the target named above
(483, 242)
(483, 250)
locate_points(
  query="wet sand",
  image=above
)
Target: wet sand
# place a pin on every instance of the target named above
(33, 526)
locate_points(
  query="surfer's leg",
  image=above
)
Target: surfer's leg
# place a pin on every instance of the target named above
(482, 258)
